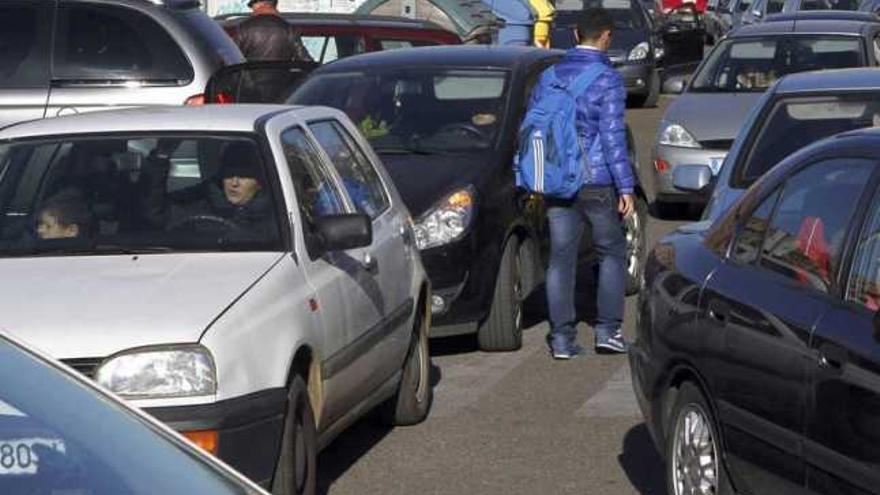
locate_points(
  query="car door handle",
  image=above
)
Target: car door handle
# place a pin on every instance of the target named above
(719, 311)
(832, 356)
(369, 263)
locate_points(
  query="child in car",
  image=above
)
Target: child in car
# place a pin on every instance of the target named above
(64, 216)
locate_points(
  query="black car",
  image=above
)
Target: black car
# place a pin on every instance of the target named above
(757, 358)
(636, 45)
(61, 434)
(444, 121)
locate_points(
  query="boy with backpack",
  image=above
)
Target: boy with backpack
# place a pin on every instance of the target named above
(573, 150)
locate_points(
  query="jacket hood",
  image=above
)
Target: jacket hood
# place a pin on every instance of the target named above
(711, 116)
(94, 306)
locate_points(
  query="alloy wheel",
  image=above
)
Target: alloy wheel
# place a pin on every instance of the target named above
(695, 454)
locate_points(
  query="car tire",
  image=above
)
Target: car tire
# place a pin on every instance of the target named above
(636, 229)
(691, 411)
(502, 329)
(296, 471)
(532, 272)
(412, 402)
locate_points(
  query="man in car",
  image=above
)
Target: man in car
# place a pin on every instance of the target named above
(267, 36)
(605, 196)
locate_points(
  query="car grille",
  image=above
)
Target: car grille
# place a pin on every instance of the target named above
(85, 366)
(717, 144)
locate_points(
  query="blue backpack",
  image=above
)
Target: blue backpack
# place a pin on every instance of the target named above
(551, 158)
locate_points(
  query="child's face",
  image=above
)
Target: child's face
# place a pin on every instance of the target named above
(50, 228)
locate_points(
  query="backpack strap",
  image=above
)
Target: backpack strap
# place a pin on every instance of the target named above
(583, 80)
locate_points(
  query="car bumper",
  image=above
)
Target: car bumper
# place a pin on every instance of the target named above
(636, 77)
(666, 158)
(249, 429)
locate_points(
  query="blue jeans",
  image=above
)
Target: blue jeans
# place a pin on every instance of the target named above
(596, 207)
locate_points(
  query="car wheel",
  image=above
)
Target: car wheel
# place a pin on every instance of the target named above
(414, 395)
(502, 330)
(693, 449)
(531, 266)
(296, 471)
(636, 230)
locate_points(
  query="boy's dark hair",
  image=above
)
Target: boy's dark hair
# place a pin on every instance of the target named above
(69, 208)
(593, 22)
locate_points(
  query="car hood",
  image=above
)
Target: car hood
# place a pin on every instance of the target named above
(423, 180)
(711, 116)
(94, 306)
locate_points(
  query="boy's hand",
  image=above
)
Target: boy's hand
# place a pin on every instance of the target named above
(626, 205)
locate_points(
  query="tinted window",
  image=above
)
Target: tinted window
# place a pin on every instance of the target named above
(67, 439)
(358, 175)
(797, 122)
(115, 43)
(864, 280)
(24, 44)
(829, 5)
(751, 235)
(122, 194)
(753, 64)
(806, 236)
(324, 49)
(775, 6)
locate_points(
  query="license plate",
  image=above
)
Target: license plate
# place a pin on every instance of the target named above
(715, 164)
(19, 457)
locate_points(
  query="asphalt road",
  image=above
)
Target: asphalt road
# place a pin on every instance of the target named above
(514, 423)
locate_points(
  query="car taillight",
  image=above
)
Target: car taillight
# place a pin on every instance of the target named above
(223, 99)
(205, 439)
(195, 100)
(661, 165)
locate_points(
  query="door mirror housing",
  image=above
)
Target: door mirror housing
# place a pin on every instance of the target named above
(343, 232)
(692, 178)
(675, 85)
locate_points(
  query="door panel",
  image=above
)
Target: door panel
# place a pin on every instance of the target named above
(25, 34)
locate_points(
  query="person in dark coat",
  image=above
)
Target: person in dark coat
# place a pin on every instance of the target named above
(267, 36)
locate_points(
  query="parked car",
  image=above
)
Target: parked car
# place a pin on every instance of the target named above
(247, 274)
(73, 56)
(763, 8)
(799, 110)
(683, 31)
(59, 433)
(756, 357)
(719, 19)
(671, 5)
(636, 47)
(699, 126)
(738, 10)
(444, 120)
(329, 36)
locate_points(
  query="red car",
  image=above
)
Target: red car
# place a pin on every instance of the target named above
(332, 36)
(671, 5)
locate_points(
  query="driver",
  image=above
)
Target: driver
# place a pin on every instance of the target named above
(752, 77)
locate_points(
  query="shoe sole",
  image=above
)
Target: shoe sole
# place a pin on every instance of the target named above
(609, 349)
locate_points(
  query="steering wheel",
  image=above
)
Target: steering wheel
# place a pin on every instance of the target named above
(463, 127)
(204, 218)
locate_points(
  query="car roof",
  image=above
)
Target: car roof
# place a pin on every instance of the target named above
(445, 56)
(212, 118)
(335, 19)
(803, 26)
(819, 15)
(830, 80)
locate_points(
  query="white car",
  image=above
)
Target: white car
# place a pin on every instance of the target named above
(247, 274)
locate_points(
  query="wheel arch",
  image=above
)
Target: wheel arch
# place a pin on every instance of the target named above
(305, 364)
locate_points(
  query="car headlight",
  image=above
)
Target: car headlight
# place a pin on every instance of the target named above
(447, 221)
(659, 51)
(676, 135)
(172, 371)
(640, 52)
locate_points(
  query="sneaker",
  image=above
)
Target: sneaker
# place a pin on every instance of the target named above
(562, 347)
(611, 344)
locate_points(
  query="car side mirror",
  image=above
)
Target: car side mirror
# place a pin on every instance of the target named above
(342, 232)
(674, 85)
(693, 178)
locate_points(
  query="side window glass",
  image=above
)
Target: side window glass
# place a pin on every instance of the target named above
(876, 46)
(325, 49)
(751, 235)
(24, 44)
(360, 179)
(775, 6)
(863, 286)
(106, 42)
(806, 235)
(395, 44)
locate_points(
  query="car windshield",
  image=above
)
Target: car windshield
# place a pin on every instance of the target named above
(622, 11)
(130, 194)
(427, 110)
(752, 64)
(798, 122)
(58, 436)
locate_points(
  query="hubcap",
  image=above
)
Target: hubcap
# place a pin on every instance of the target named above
(633, 233)
(694, 454)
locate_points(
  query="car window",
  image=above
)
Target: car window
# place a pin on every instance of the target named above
(743, 5)
(360, 179)
(208, 33)
(107, 42)
(68, 439)
(122, 194)
(863, 286)
(325, 49)
(751, 234)
(797, 122)
(395, 44)
(876, 47)
(752, 64)
(24, 44)
(829, 5)
(806, 234)
(775, 6)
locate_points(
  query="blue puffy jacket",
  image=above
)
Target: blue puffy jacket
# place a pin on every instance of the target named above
(600, 110)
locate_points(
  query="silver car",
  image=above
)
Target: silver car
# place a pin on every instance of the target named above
(247, 274)
(699, 127)
(69, 56)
